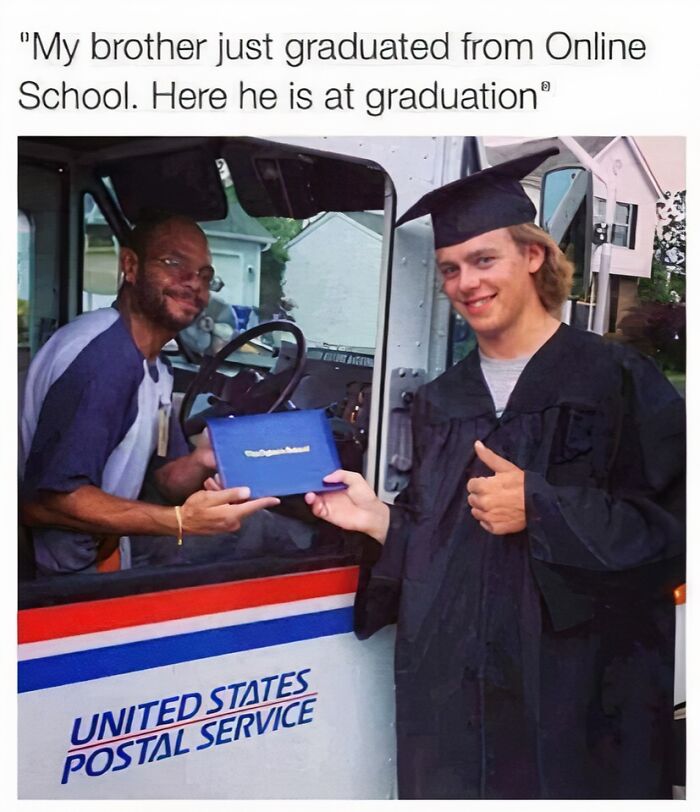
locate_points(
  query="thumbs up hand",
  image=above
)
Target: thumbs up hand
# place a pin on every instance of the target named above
(498, 502)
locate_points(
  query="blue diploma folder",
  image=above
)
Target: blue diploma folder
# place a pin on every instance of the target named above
(275, 454)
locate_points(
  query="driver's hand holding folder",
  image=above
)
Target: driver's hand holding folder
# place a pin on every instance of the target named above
(294, 452)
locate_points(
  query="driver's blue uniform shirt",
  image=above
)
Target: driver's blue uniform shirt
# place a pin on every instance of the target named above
(90, 417)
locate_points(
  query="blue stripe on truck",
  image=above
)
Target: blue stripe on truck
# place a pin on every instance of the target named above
(125, 658)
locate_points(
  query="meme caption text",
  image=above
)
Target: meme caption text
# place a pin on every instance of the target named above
(300, 57)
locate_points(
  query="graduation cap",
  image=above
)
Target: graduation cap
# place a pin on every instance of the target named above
(490, 199)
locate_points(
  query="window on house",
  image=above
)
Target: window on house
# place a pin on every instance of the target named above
(24, 259)
(624, 225)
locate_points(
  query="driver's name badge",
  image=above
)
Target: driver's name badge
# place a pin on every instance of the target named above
(163, 428)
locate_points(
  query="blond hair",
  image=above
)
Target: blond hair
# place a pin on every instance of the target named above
(554, 278)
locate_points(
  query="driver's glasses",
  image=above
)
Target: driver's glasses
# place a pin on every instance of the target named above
(178, 267)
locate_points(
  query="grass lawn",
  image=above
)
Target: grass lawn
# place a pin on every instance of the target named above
(678, 380)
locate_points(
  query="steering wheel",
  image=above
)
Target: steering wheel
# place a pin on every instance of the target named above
(248, 392)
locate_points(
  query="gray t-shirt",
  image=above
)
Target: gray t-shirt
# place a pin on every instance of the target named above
(501, 375)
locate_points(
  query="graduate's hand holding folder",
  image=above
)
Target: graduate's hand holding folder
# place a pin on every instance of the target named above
(294, 452)
(357, 508)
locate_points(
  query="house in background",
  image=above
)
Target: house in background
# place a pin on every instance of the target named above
(332, 276)
(638, 194)
(236, 244)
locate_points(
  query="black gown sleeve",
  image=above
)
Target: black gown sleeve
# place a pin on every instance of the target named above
(592, 543)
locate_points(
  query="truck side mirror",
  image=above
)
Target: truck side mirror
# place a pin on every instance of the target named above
(566, 214)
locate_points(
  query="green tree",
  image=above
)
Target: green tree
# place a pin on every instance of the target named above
(22, 321)
(667, 281)
(272, 263)
(657, 325)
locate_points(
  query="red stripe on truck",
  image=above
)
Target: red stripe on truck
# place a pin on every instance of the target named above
(53, 622)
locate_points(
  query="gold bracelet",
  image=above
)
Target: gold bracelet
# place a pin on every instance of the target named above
(178, 514)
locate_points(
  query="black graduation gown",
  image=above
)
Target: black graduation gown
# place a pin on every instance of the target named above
(538, 664)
